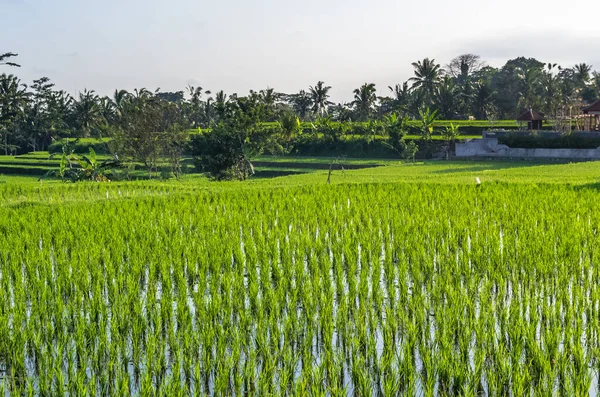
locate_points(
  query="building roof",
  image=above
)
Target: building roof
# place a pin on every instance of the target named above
(594, 107)
(531, 115)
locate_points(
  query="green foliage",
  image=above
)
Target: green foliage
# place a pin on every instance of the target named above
(332, 132)
(226, 151)
(410, 151)
(574, 141)
(427, 119)
(81, 145)
(395, 129)
(451, 133)
(74, 168)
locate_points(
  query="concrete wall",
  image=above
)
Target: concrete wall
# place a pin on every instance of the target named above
(489, 147)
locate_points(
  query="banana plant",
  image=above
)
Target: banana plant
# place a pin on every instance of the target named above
(85, 168)
(428, 118)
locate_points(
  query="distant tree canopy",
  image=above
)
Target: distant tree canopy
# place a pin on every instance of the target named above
(33, 116)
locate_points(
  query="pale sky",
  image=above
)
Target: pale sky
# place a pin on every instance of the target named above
(237, 45)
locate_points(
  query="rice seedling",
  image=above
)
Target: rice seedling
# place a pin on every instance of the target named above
(366, 289)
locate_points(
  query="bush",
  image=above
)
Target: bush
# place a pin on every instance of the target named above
(533, 141)
(81, 146)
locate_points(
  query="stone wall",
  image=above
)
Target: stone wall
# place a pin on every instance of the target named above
(489, 147)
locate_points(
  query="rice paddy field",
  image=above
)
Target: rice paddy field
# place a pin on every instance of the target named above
(404, 279)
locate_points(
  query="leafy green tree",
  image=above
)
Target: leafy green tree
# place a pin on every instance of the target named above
(332, 131)
(176, 142)
(365, 98)
(227, 150)
(463, 70)
(515, 86)
(146, 129)
(411, 151)
(174, 97)
(38, 115)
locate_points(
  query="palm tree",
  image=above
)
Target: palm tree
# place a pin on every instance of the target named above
(87, 112)
(401, 93)
(549, 86)
(119, 98)
(427, 79)
(7, 55)
(582, 74)
(13, 99)
(364, 100)
(320, 98)
(445, 97)
(220, 105)
(529, 77)
(482, 99)
(268, 97)
(108, 110)
(302, 103)
(142, 94)
(197, 110)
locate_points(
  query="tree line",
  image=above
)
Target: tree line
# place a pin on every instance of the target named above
(147, 125)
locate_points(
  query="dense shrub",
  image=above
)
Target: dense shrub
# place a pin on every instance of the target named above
(532, 141)
(81, 146)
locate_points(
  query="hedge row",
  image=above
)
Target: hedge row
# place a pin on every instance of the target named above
(562, 142)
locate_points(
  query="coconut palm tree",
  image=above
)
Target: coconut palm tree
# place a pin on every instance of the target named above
(220, 104)
(142, 94)
(302, 103)
(427, 79)
(196, 108)
(87, 112)
(400, 93)
(549, 81)
(582, 74)
(529, 78)
(320, 98)
(7, 55)
(446, 96)
(365, 98)
(482, 99)
(119, 98)
(13, 99)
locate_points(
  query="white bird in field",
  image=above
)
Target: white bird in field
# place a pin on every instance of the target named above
(478, 181)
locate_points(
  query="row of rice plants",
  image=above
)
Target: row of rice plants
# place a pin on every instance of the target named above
(389, 289)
